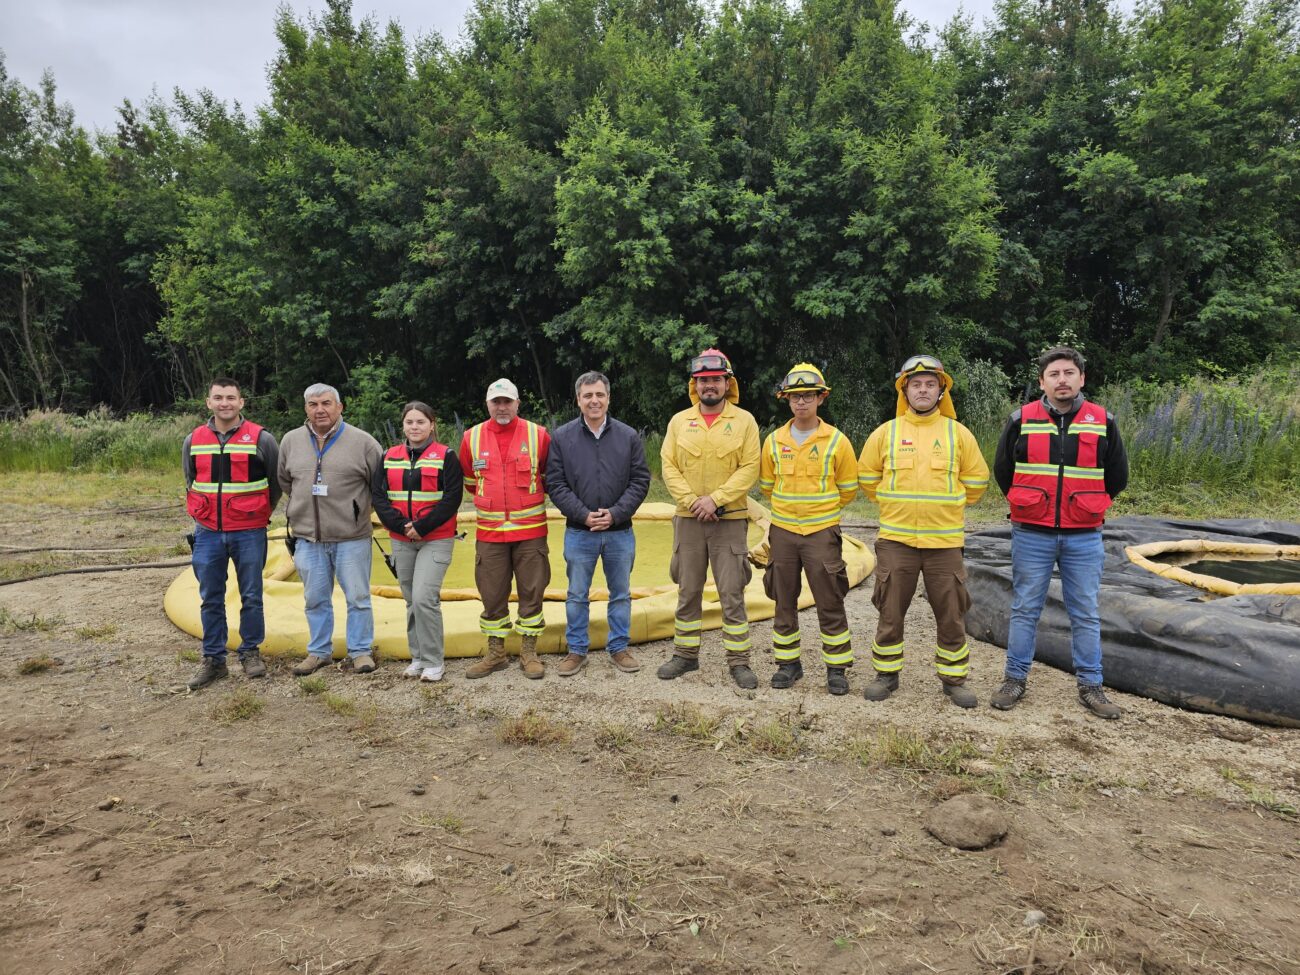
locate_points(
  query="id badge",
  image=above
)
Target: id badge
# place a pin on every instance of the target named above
(320, 490)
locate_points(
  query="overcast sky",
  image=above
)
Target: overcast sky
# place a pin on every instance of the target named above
(103, 51)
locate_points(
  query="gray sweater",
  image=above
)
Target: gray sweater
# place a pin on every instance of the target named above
(347, 467)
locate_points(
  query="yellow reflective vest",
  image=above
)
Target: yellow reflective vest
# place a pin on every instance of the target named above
(807, 484)
(719, 460)
(923, 471)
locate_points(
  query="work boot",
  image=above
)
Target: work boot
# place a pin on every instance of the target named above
(675, 666)
(210, 669)
(787, 672)
(363, 663)
(625, 662)
(881, 686)
(1092, 697)
(494, 660)
(310, 664)
(532, 667)
(837, 681)
(253, 664)
(744, 677)
(960, 695)
(571, 664)
(1009, 694)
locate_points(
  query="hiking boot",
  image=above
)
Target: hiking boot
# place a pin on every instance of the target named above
(495, 659)
(529, 663)
(881, 686)
(625, 662)
(1009, 694)
(675, 666)
(787, 672)
(310, 664)
(1092, 697)
(253, 664)
(571, 664)
(363, 663)
(837, 681)
(742, 675)
(961, 695)
(210, 669)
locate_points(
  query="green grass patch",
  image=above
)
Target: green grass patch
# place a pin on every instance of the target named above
(188, 656)
(38, 664)
(447, 822)
(614, 737)
(242, 705)
(531, 728)
(687, 721)
(311, 686)
(104, 631)
(778, 738)
(907, 751)
(340, 705)
(30, 623)
(1257, 795)
(50, 441)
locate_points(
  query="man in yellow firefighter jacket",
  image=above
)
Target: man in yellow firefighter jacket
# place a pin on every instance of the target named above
(922, 468)
(503, 460)
(710, 461)
(808, 473)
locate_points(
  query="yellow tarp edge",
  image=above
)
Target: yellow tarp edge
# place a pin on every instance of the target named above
(652, 614)
(1139, 555)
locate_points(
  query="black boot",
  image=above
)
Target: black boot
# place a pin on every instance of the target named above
(744, 677)
(837, 681)
(675, 666)
(787, 673)
(881, 686)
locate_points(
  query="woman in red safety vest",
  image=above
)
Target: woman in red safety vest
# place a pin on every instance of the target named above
(416, 495)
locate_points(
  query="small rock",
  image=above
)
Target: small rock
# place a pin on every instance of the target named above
(1034, 918)
(967, 822)
(417, 790)
(888, 831)
(366, 755)
(1108, 793)
(106, 727)
(109, 803)
(674, 798)
(509, 870)
(1178, 792)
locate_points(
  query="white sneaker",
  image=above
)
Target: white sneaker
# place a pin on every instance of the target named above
(414, 670)
(431, 674)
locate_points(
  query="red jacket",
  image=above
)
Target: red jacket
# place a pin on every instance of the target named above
(509, 486)
(1059, 494)
(414, 488)
(230, 491)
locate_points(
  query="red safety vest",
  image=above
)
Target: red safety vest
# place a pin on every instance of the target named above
(414, 497)
(230, 491)
(509, 491)
(1060, 495)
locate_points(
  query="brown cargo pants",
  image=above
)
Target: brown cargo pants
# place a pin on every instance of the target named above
(697, 545)
(497, 565)
(820, 558)
(898, 567)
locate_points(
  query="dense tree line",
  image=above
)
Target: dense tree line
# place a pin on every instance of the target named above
(617, 183)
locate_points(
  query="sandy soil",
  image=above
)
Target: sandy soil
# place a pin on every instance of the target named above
(683, 827)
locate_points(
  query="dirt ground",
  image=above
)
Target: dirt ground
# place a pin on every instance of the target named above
(683, 827)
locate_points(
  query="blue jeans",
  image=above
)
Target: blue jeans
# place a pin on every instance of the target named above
(616, 551)
(318, 565)
(1080, 556)
(213, 553)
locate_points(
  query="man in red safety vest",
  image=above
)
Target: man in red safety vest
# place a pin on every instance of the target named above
(230, 494)
(503, 461)
(1060, 462)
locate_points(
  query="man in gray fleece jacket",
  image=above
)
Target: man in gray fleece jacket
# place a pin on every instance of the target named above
(325, 470)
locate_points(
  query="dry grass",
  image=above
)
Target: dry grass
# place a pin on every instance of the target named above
(188, 656)
(13, 623)
(340, 705)
(101, 632)
(242, 705)
(531, 728)
(687, 721)
(448, 822)
(614, 737)
(38, 664)
(1257, 795)
(311, 686)
(778, 738)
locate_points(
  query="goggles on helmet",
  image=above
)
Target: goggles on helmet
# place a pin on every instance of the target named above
(711, 363)
(802, 379)
(920, 363)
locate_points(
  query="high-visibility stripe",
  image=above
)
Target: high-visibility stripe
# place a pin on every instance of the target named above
(735, 629)
(952, 663)
(415, 495)
(835, 639)
(230, 487)
(682, 640)
(231, 448)
(688, 624)
(786, 653)
(736, 646)
(1084, 427)
(1037, 426)
(961, 653)
(936, 497)
(841, 659)
(794, 498)
(908, 530)
(785, 646)
(887, 660)
(499, 627)
(782, 520)
(1051, 470)
(531, 626)
(785, 639)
